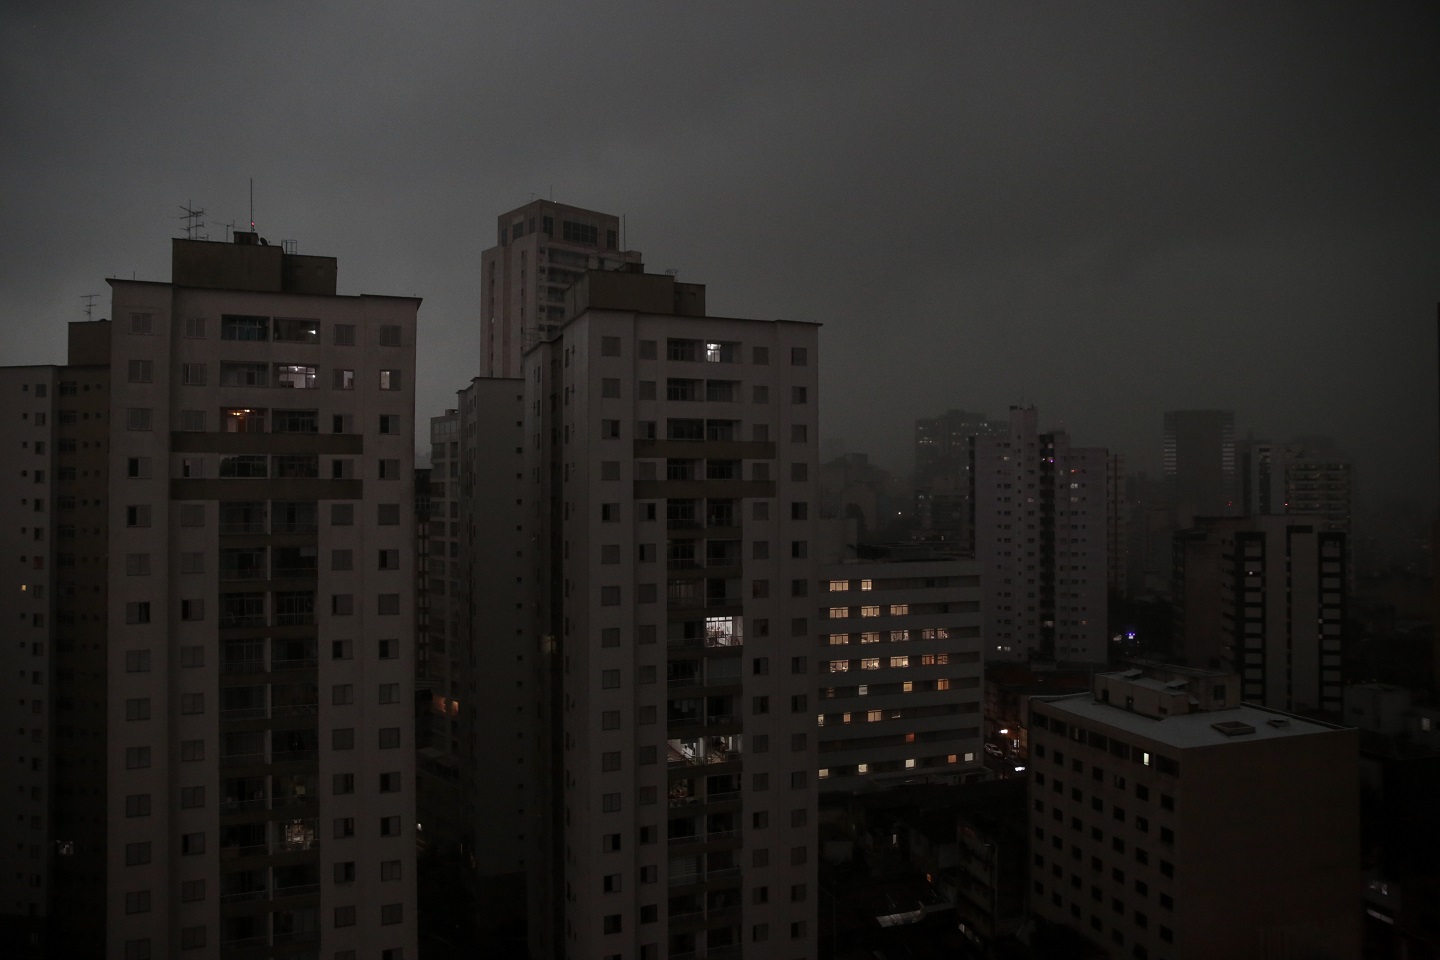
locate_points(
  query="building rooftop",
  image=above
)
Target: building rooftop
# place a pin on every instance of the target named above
(1207, 728)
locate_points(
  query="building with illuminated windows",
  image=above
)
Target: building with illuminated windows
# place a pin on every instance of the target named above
(900, 664)
(672, 459)
(227, 615)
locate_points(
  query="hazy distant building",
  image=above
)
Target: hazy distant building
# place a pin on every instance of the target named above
(1308, 476)
(1200, 464)
(1265, 597)
(670, 459)
(900, 672)
(1169, 820)
(1041, 535)
(540, 250)
(942, 475)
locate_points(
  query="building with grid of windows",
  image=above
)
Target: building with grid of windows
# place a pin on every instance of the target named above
(1266, 597)
(900, 672)
(540, 250)
(672, 457)
(1171, 821)
(230, 615)
(1042, 534)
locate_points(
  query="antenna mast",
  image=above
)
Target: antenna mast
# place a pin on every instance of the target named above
(252, 204)
(192, 216)
(89, 299)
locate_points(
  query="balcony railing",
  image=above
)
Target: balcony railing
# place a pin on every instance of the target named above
(243, 666)
(241, 759)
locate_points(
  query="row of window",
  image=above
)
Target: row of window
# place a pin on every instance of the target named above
(261, 329)
(700, 351)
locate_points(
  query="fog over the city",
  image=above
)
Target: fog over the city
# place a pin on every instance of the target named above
(1105, 209)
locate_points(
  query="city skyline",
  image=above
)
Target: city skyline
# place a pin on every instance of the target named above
(1107, 212)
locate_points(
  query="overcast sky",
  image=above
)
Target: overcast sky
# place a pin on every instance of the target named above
(1106, 209)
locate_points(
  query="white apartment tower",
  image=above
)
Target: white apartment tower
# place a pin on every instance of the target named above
(1041, 534)
(540, 250)
(259, 793)
(673, 456)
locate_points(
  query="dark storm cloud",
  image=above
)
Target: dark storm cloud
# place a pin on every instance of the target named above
(1107, 209)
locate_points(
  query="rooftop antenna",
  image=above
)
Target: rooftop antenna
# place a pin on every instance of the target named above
(252, 204)
(192, 216)
(89, 299)
(229, 229)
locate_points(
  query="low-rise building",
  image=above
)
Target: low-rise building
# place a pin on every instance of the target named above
(1169, 821)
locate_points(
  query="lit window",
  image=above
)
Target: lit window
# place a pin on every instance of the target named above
(899, 609)
(839, 639)
(839, 613)
(866, 585)
(837, 586)
(870, 663)
(899, 661)
(870, 611)
(872, 637)
(839, 666)
(862, 768)
(872, 716)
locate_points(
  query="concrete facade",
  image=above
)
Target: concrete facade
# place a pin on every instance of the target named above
(1265, 597)
(541, 249)
(672, 459)
(1169, 821)
(1041, 533)
(232, 630)
(900, 661)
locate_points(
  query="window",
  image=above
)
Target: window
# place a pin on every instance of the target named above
(192, 844)
(235, 374)
(240, 327)
(137, 901)
(137, 661)
(138, 418)
(389, 738)
(141, 371)
(195, 327)
(137, 611)
(387, 604)
(192, 798)
(389, 469)
(342, 784)
(344, 827)
(342, 738)
(389, 826)
(610, 429)
(137, 805)
(343, 334)
(389, 870)
(192, 751)
(389, 423)
(389, 335)
(137, 853)
(345, 916)
(193, 374)
(389, 693)
(392, 913)
(389, 379)
(192, 891)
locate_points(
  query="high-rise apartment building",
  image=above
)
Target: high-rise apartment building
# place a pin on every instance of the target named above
(1307, 476)
(482, 659)
(942, 474)
(1200, 464)
(1265, 597)
(231, 600)
(1171, 821)
(673, 461)
(540, 250)
(901, 662)
(1041, 535)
